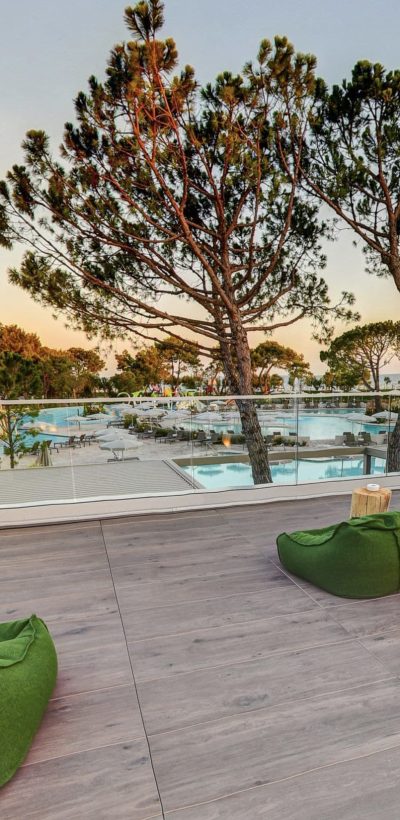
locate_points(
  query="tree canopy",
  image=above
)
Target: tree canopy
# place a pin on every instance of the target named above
(28, 368)
(352, 160)
(361, 353)
(269, 355)
(165, 190)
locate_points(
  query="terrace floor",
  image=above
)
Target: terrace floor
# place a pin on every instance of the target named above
(198, 681)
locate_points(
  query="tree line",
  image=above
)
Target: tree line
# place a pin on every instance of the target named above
(29, 369)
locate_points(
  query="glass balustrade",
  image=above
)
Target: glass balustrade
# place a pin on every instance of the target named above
(128, 447)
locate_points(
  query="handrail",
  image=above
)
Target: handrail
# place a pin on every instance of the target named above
(262, 397)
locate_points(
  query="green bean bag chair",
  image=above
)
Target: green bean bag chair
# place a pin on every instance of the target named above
(354, 559)
(28, 671)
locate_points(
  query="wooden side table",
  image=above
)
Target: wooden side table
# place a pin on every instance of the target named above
(368, 502)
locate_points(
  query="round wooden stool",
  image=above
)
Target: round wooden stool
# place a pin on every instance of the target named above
(368, 502)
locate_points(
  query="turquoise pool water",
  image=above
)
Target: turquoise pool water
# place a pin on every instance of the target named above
(57, 417)
(313, 425)
(237, 474)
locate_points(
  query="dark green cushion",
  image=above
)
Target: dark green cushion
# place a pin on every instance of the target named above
(28, 671)
(355, 559)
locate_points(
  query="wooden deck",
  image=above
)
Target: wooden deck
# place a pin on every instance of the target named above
(197, 680)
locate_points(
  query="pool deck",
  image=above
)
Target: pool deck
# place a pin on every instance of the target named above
(197, 680)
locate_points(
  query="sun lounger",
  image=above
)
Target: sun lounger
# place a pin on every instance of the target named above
(72, 442)
(349, 439)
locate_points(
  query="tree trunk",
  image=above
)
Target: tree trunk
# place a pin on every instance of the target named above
(257, 448)
(238, 373)
(393, 455)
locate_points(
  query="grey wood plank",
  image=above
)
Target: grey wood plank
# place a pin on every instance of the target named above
(59, 598)
(78, 723)
(369, 617)
(198, 588)
(201, 564)
(386, 648)
(181, 547)
(215, 759)
(92, 654)
(194, 615)
(35, 551)
(162, 524)
(113, 783)
(159, 657)
(361, 789)
(173, 703)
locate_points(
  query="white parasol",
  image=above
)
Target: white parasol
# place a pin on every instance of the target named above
(119, 445)
(208, 417)
(385, 414)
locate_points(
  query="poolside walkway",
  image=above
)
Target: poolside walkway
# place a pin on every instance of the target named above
(197, 680)
(129, 477)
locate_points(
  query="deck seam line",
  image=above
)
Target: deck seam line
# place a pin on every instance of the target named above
(272, 706)
(249, 659)
(269, 783)
(240, 661)
(173, 578)
(136, 739)
(133, 678)
(91, 691)
(218, 626)
(263, 590)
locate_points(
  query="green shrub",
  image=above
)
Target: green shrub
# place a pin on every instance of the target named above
(130, 421)
(161, 432)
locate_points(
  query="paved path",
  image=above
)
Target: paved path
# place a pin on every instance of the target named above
(197, 680)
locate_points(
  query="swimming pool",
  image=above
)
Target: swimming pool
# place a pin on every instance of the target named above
(315, 426)
(237, 474)
(54, 418)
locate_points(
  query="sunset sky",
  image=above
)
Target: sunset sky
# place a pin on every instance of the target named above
(48, 48)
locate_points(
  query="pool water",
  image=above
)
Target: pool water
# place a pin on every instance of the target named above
(237, 474)
(312, 425)
(57, 416)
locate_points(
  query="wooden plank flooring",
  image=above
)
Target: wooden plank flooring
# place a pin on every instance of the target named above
(197, 680)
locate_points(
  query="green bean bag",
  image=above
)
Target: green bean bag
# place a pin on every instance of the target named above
(354, 559)
(28, 671)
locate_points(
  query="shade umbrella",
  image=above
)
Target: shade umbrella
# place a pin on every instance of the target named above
(98, 417)
(208, 417)
(176, 415)
(43, 458)
(145, 411)
(157, 413)
(77, 419)
(119, 445)
(42, 426)
(144, 405)
(385, 414)
(98, 433)
(193, 405)
(110, 434)
(123, 407)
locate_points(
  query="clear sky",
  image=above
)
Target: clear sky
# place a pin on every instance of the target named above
(48, 49)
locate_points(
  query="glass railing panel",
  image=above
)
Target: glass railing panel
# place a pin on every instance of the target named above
(35, 467)
(237, 442)
(391, 418)
(102, 448)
